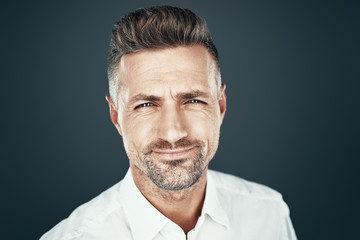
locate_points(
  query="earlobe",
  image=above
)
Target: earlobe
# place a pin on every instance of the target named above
(113, 114)
(222, 101)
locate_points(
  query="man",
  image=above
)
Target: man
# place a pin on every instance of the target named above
(167, 102)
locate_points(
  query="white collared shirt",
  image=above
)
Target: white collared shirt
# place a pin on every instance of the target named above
(233, 209)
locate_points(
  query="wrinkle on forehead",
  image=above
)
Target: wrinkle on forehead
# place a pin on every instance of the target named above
(168, 58)
(164, 66)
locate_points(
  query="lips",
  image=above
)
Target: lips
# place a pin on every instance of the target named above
(171, 154)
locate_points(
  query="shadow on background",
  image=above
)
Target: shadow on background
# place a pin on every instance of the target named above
(292, 75)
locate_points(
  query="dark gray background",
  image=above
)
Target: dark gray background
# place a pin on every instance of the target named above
(292, 75)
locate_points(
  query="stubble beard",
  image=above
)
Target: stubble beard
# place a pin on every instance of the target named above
(177, 174)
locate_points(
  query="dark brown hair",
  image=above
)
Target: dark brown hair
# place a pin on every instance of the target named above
(154, 28)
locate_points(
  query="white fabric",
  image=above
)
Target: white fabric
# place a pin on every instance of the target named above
(233, 209)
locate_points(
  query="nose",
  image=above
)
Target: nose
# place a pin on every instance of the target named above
(172, 124)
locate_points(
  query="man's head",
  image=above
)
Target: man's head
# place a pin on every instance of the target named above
(156, 28)
(166, 98)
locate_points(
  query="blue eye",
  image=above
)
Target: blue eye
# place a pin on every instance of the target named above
(148, 104)
(195, 101)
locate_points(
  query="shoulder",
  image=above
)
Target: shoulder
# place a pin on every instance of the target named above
(236, 187)
(87, 216)
(252, 207)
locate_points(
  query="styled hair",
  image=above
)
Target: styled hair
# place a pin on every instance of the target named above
(155, 28)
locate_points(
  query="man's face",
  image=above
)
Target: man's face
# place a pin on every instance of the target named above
(169, 113)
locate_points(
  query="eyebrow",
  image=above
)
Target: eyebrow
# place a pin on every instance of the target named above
(192, 94)
(144, 97)
(181, 95)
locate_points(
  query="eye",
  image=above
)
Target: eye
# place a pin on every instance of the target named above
(148, 104)
(195, 101)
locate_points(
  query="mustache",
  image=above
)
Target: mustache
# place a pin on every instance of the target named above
(161, 144)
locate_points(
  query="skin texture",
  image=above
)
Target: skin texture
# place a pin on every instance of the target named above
(169, 115)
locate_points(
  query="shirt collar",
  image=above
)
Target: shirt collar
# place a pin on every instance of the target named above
(212, 203)
(144, 219)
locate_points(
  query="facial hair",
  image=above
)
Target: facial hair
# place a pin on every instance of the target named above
(177, 174)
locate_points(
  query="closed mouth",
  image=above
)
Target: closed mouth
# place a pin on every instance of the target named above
(171, 154)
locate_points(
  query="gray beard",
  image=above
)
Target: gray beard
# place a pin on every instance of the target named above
(172, 175)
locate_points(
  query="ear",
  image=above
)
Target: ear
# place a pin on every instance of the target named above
(222, 101)
(113, 114)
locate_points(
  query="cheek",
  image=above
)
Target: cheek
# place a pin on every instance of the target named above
(205, 126)
(207, 130)
(137, 132)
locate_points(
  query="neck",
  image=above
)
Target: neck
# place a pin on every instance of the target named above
(183, 207)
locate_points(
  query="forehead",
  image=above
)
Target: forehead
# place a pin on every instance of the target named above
(175, 68)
